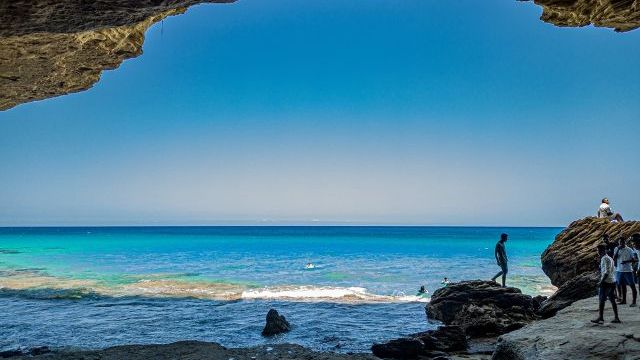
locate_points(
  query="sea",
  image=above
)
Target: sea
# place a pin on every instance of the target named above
(342, 288)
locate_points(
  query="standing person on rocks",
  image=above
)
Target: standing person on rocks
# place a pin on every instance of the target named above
(625, 257)
(635, 239)
(606, 286)
(501, 259)
(605, 212)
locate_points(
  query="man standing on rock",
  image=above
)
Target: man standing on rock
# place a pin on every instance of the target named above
(501, 259)
(625, 257)
(606, 285)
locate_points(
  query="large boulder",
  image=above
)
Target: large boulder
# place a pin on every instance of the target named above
(573, 252)
(481, 308)
(571, 336)
(276, 324)
(405, 348)
(571, 261)
(580, 287)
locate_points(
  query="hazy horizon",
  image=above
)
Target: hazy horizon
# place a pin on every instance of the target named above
(362, 112)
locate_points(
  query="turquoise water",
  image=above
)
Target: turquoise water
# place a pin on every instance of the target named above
(96, 287)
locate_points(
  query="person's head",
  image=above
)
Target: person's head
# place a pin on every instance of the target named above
(622, 242)
(605, 238)
(446, 279)
(602, 249)
(504, 237)
(605, 201)
(636, 238)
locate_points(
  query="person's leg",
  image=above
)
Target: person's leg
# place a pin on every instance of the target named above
(602, 297)
(634, 292)
(504, 279)
(616, 319)
(623, 287)
(618, 217)
(497, 275)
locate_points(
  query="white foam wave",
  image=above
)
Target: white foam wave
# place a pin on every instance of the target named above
(324, 293)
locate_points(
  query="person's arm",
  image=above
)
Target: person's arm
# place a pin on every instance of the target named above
(607, 270)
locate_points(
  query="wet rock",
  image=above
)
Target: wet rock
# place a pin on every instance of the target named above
(581, 287)
(10, 353)
(405, 348)
(481, 308)
(430, 344)
(445, 338)
(276, 324)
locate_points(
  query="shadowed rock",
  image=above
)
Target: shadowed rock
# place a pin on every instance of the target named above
(276, 324)
(581, 287)
(430, 344)
(481, 308)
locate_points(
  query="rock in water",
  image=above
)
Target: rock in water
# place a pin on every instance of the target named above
(276, 324)
(481, 308)
(445, 338)
(571, 336)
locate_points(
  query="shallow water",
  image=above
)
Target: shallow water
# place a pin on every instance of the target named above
(96, 287)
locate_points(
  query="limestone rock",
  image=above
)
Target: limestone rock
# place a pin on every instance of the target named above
(481, 308)
(621, 15)
(276, 324)
(570, 335)
(55, 47)
(574, 252)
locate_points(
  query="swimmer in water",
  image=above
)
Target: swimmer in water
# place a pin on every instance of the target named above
(422, 291)
(309, 266)
(445, 282)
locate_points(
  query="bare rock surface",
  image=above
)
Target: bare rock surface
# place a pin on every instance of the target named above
(482, 308)
(573, 252)
(570, 335)
(621, 15)
(580, 287)
(197, 350)
(55, 47)
(430, 344)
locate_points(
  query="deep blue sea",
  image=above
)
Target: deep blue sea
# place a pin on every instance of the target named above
(97, 287)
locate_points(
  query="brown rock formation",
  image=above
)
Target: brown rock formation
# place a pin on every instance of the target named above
(621, 15)
(573, 252)
(571, 261)
(55, 47)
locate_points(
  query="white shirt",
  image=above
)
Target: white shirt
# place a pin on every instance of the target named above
(604, 211)
(606, 269)
(624, 254)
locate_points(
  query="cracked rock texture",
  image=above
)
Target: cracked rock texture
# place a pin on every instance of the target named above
(570, 335)
(55, 47)
(621, 15)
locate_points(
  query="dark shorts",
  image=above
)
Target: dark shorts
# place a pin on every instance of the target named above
(504, 267)
(607, 291)
(625, 278)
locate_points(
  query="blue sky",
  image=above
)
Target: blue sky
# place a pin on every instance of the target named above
(374, 112)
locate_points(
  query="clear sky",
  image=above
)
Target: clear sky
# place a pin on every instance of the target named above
(363, 111)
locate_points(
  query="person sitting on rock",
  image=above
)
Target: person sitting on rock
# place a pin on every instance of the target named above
(501, 259)
(605, 212)
(624, 258)
(606, 286)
